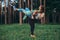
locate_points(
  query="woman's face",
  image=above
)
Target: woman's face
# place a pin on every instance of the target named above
(41, 8)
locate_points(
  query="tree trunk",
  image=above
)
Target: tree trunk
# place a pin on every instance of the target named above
(9, 12)
(5, 11)
(0, 11)
(20, 14)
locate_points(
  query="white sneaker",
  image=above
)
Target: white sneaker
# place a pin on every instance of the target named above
(33, 36)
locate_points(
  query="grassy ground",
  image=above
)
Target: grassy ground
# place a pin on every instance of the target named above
(22, 32)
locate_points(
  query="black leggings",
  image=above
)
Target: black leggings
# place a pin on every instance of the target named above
(32, 25)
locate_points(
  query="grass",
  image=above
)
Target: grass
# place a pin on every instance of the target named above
(22, 32)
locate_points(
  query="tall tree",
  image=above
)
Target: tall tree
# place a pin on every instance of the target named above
(5, 12)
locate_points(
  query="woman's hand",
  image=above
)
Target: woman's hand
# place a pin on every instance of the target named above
(35, 12)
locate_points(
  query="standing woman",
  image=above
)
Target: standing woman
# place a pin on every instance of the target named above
(31, 17)
(31, 14)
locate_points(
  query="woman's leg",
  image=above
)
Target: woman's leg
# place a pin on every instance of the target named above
(32, 25)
